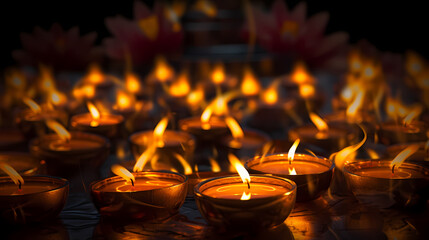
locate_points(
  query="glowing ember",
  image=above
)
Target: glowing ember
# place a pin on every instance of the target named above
(403, 155)
(94, 113)
(124, 173)
(33, 105)
(58, 129)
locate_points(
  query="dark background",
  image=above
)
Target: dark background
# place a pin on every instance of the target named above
(391, 26)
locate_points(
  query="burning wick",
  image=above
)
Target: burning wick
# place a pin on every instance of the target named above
(244, 175)
(403, 155)
(19, 184)
(94, 113)
(13, 174)
(291, 153)
(247, 181)
(124, 173)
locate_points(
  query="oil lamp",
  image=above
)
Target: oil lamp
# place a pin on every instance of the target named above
(244, 202)
(142, 195)
(312, 174)
(387, 183)
(107, 125)
(30, 198)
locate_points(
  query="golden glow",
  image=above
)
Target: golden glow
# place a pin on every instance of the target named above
(95, 75)
(234, 127)
(132, 83)
(246, 195)
(57, 98)
(321, 125)
(244, 175)
(250, 86)
(307, 90)
(58, 129)
(123, 172)
(218, 74)
(95, 114)
(395, 109)
(291, 153)
(87, 91)
(270, 96)
(149, 26)
(163, 71)
(300, 74)
(356, 104)
(124, 100)
(148, 153)
(13, 174)
(344, 154)
(206, 7)
(372, 154)
(159, 130)
(292, 171)
(214, 165)
(32, 105)
(195, 97)
(403, 155)
(180, 87)
(187, 168)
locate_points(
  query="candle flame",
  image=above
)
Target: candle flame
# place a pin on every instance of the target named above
(234, 127)
(214, 165)
(58, 129)
(123, 172)
(180, 87)
(403, 155)
(321, 125)
(187, 168)
(95, 75)
(159, 130)
(341, 156)
(163, 71)
(270, 96)
(218, 74)
(148, 153)
(356, 104)
(250, 85)
(87, 91)
(244, 175)
(13, 174)
(205, 118)
(195, 97)
(124, 100)
(94, 113)
(291, 153)
(32, 105)
(300, 74)
(307, 90)
(132, 83)
(57, 98)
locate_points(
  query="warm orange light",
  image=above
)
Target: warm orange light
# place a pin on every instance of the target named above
(356, 104)
(159, 130)
(95, 75)
(395, 109)
(195, 97)
(13, 174)
(244, 175)
(250, 85)
(132, 83)
(307, 90)
(218, 74)
(270, 96)
(205, 118)
(291, 153)
(206, 7)
(57, 98)
(58, 129)
(47, 83)
(214, 165)
(87, 91)
(94, 113)
(355, 61)
(300, 74)
(124, 100)
(403, 155)
(163, 71)
(123, 172)
(414, 64)
(344, 154)
(321, 125)
(234, 127)
(292, 171)
(32, 105)
(148, 153)
(187, 168)
(246, 195)
(180, 87)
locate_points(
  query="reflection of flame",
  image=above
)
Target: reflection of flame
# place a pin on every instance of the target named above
(33, 105)
(234, 127)
(95, 75)
(59, 129)
(341, 156)
(292, 171)
(291, 153)
(95, 114)
(163, 71)
(250, 85)
(218, 74)
(159, 130)
(187, 168)
(123, 172)
(132, 83)
(403, 155)
(246, 195)
(318, 122)
(180, 87)
(13, 174)
(214, 165)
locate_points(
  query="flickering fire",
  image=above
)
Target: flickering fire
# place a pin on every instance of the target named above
(159, 130)
(321, 125)
(195, 98)
(244, 175)
(124, 173)
(234, 127)
(163, 71)
(214, 165)
(187, 168)
(307, 90)
(403, 155)
(132, 83)
(300, 74)
(32, 105)
(124, 100)
(218, 74)
(341, 156)
(250, 86)
(180, 87)
(356, 104)
(205, 118)
(94, 113)
(58, 129)
(13, 174)
(95, 75)
(270, 95)
(291, 153)
(148, 153)
(396, 110)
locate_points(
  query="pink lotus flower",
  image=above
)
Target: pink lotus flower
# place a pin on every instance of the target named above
(65, 50)
(290, 33)
(150, 33)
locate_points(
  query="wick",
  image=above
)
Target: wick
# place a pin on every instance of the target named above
(19, 184)
(248, 184)
(132, 182)
(393, 169)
